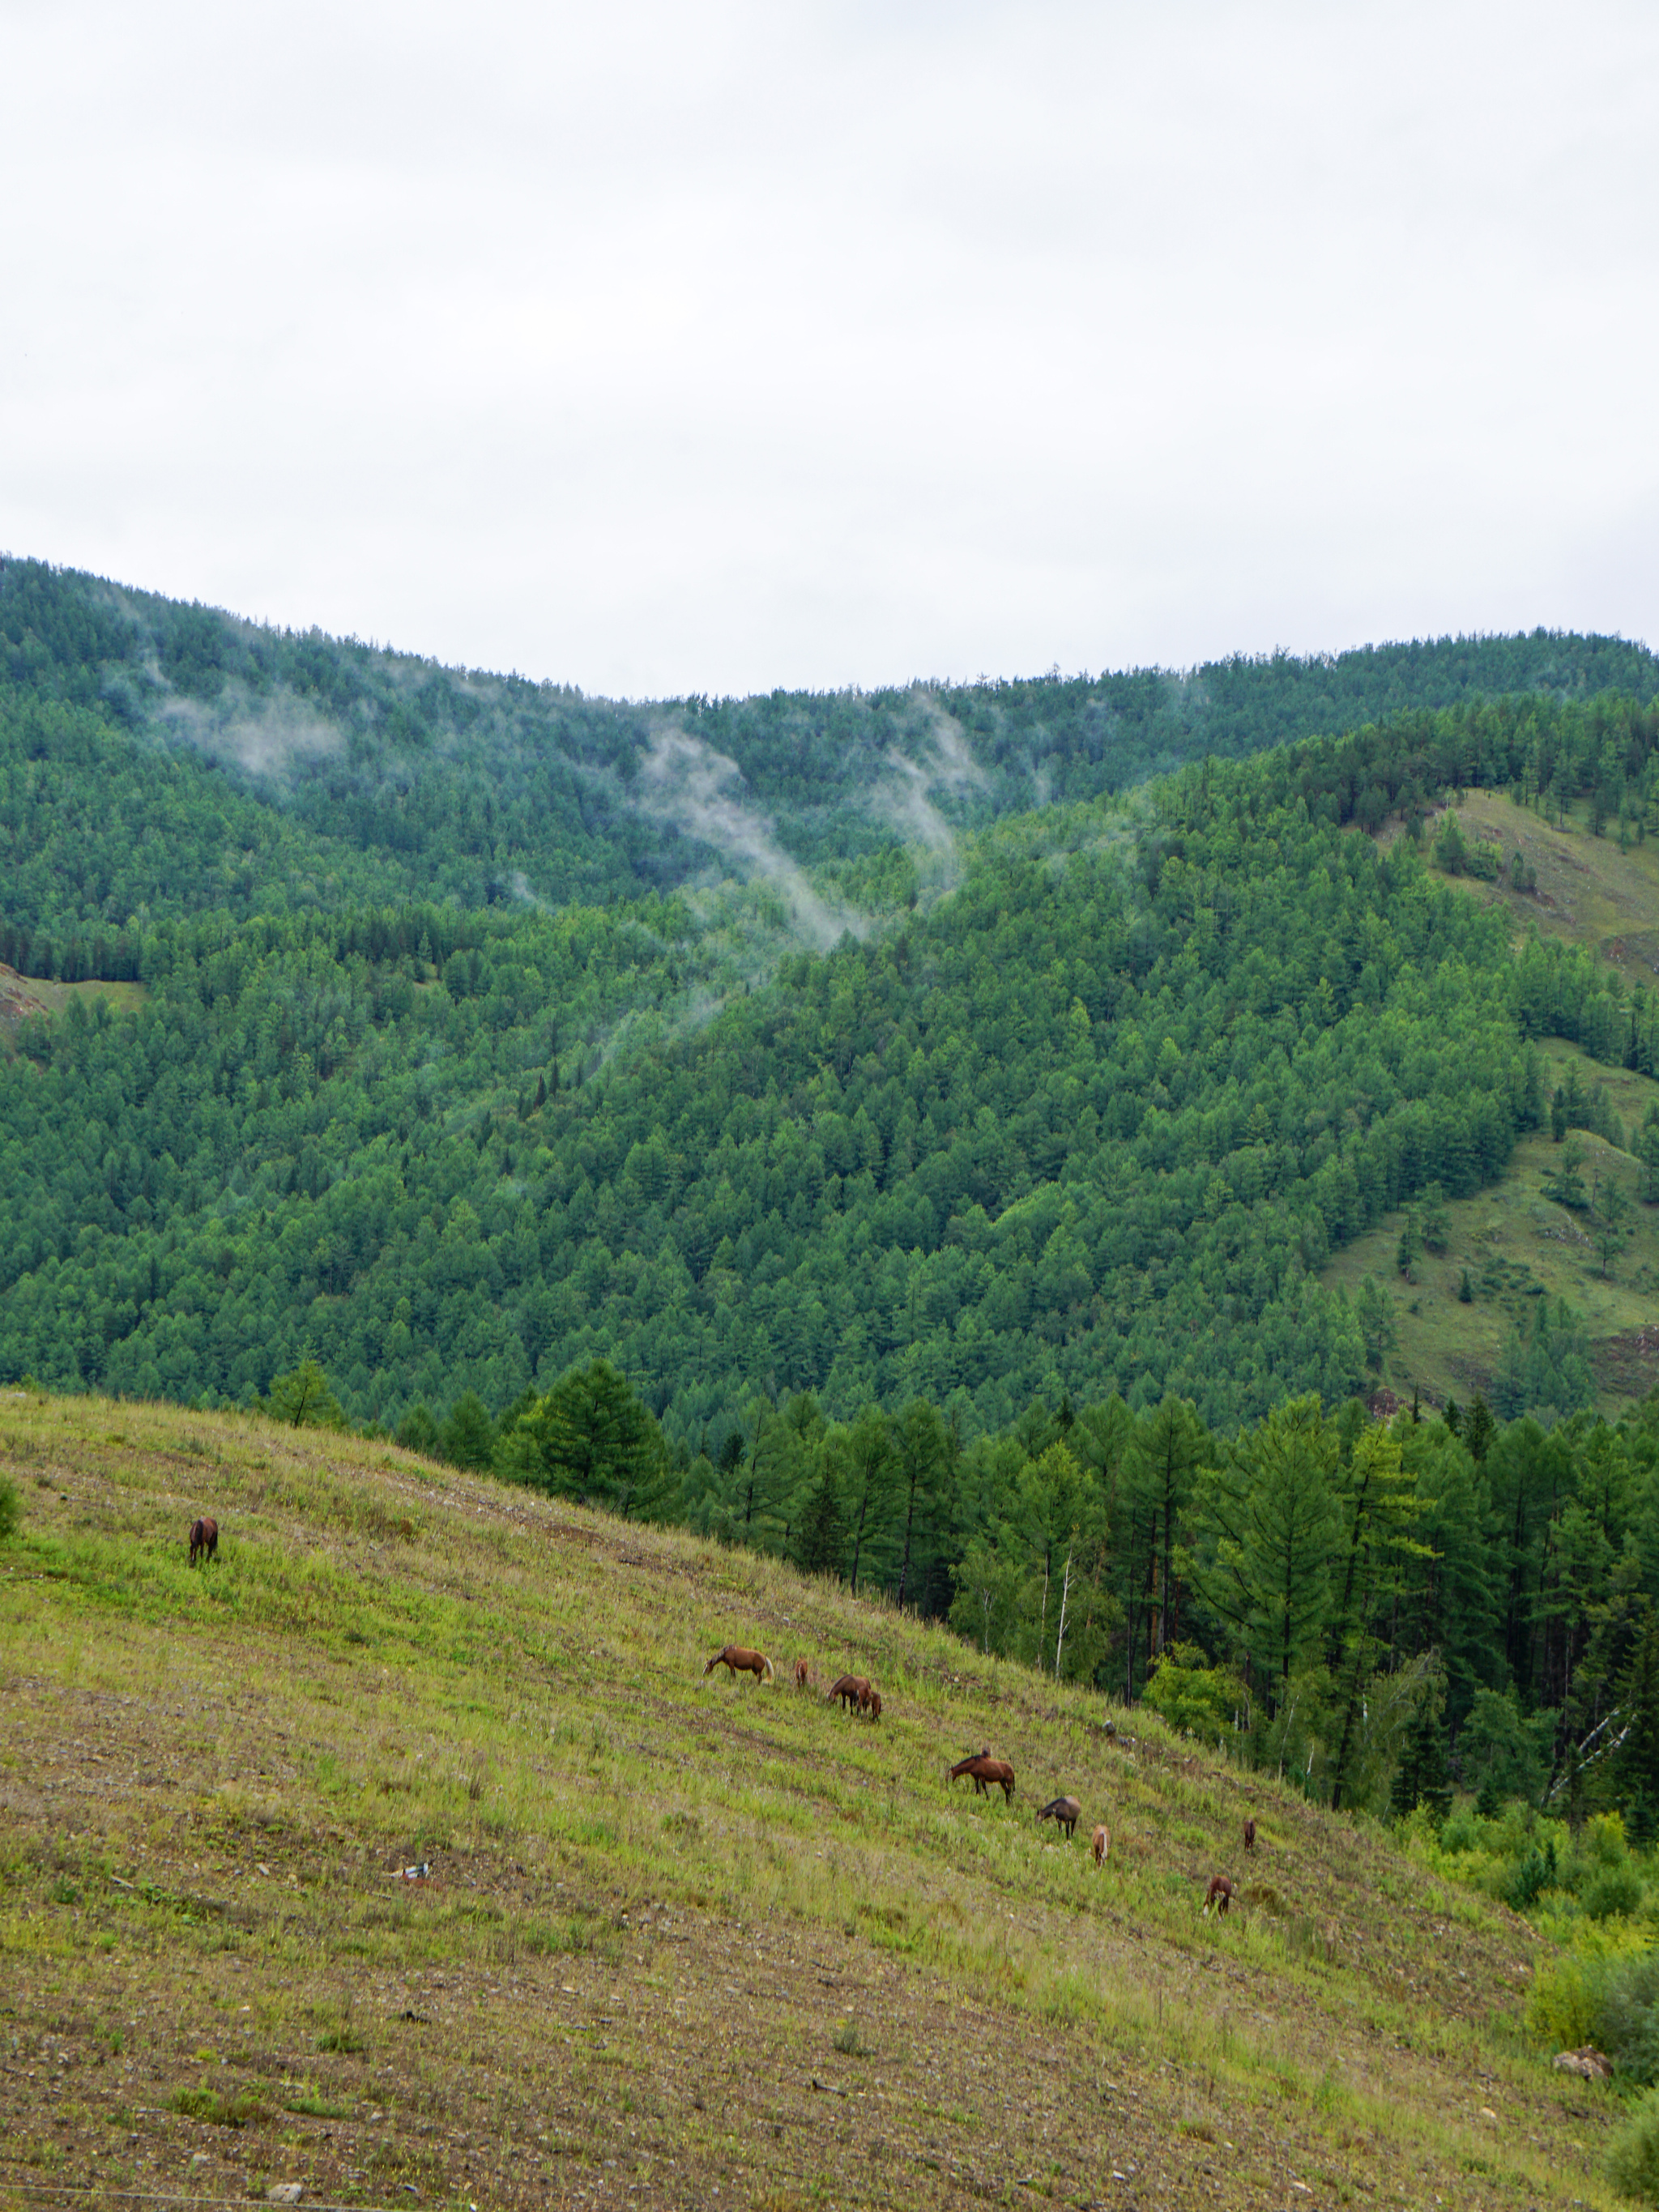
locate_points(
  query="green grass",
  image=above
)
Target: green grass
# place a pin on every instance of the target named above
(23, 997)
(1588, 890)
(693, 1931)
(1517, 1245)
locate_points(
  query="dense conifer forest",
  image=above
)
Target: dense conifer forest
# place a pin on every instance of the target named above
(903, 1130)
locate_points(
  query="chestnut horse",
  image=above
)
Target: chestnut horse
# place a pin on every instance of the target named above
(803, 1675)
(204, 1540)
(1064, 1812)
(872, 1705)
(1103, 1844)
(984, 1771)
(739, 1660)
(848, 1690)
(1220, 1893)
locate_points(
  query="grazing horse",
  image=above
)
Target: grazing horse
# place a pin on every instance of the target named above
(1064, 1812)
(803, 1675)
(739, 1660)
(871, 1704)
(1103, 1844)
(1220, 1893)
(848, 1690)
(1249, 1835)
(985, 1770)
(204, 1540)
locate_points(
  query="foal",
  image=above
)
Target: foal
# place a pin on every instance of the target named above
(1101, 1845)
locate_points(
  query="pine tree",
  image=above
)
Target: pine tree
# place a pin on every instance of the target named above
(1421, 1779)
(1481, 1428)
(590, 1437)
(418, 1431)
(1636, 1762)
(821, 1546)
(467, 1438)
(303, 1400)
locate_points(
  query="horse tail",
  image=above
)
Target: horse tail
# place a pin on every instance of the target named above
(768, 1667)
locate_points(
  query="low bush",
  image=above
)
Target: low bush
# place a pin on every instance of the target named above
(1633, 2161)
(1615, 1890)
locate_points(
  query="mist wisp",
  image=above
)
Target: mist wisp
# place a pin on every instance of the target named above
(944, 763)
(687, 782)
(262, 736)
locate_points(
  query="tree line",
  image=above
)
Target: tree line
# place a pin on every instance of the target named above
(1374, 1608)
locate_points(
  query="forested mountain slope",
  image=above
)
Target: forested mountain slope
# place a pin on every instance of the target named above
(158, 759)
(1101, 1115)
(1004, 1234)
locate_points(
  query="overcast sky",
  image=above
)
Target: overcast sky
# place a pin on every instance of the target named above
(674, 348)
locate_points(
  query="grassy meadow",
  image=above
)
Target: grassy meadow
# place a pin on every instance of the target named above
(683, 1940)
(1517, 1245)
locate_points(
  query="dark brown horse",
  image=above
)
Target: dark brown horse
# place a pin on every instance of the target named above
(871, 1704)
(985, 1770)
(204, 1540)
(848, 1690)
(1064, 1812)
(1220, 1893)
(1249, 1835)
(741, 1661)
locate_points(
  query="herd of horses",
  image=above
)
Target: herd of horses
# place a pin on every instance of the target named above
(854, 1693)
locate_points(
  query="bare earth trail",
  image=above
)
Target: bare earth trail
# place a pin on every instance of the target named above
(680, 1941)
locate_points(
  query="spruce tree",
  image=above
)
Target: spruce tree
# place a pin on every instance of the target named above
(1637, 1761)
(1422, 1778)
(467, 1438)
(1481, 1428)
(821, 1546)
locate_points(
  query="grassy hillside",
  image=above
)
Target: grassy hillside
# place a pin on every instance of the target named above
(27, 998)
(1603, 896)
(1518, 1246)
(702, 1942)
(1591, 891)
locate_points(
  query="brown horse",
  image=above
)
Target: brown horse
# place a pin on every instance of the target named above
(1103, 1844)
(204, 1540)
(803, 1675)
(848, 1690)
(871, 1704)
(984, 1771)
(1220, 1893)
(1064, 1812)
(1249, 1835)
(740, 1661)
